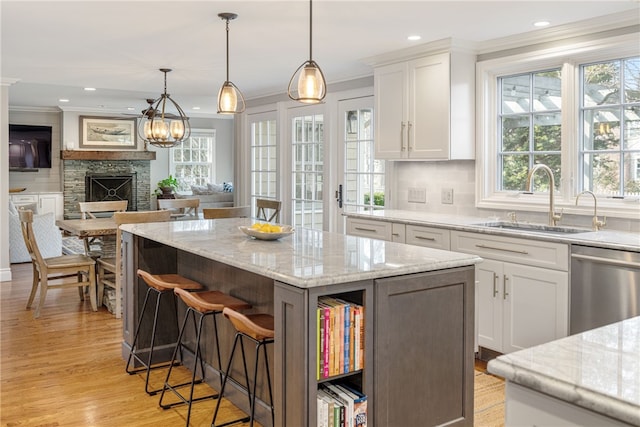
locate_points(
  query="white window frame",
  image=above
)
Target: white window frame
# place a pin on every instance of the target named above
(254, 194)
(198, 133)
(568, 58)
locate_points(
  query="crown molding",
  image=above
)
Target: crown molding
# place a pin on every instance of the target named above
(413, 52)
(615, 24)
(8, 81)
(27, 109)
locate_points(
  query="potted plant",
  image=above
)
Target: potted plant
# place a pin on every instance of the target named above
(167, 186)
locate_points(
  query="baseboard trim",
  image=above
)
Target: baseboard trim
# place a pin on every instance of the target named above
(5, 274)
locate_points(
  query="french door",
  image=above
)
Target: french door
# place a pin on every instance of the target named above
(307, 160)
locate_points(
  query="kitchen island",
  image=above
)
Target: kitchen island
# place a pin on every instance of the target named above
(587, 379)
(418, 317)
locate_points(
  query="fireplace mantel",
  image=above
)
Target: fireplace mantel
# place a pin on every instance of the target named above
(106, 155)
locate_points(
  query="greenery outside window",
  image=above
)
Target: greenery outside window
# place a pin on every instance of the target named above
(530, 123)
(192, 162)
(610, 127)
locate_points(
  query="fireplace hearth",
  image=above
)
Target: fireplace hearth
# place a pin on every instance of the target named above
(107, 187)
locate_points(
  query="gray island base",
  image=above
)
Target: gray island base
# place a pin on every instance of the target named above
(418, 314)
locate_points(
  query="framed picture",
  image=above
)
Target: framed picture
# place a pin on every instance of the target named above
(105, 132)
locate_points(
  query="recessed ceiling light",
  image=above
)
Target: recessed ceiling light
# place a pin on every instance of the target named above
(414, 38)
(130, 108)
(89, 88)
(63, 100)
(196, 108)
(541, 23)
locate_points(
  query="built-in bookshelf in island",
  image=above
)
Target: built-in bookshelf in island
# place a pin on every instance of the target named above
(340, 342)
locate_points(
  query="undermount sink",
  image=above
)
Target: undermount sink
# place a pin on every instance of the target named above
(533, 228)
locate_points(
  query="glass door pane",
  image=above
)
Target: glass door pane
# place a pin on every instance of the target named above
(307, 170)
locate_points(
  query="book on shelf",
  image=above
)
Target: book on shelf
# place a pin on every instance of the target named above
(340, 337)
(359, 405)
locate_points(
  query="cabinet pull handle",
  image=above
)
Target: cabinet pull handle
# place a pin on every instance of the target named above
(402, 126)
(503, 249)
(495, 285)
(395, 234)
(409, 135)
(366, 229)
(504, 287)
(432, 239)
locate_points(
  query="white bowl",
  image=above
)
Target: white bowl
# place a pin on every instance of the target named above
(261, 235)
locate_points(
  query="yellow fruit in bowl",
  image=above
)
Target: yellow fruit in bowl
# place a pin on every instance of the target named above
(266, 228)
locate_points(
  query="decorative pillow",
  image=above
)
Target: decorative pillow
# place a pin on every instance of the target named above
(216, 188)
(227, 187)
(199, 190)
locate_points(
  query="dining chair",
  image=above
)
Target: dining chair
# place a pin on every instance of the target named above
(180, 207)
(231, 212)
(265, 205)
(58, 267)
(109, 269)
(88, 210)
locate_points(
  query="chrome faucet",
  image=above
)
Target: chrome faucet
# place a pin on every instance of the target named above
(553, 216)
(597, 224)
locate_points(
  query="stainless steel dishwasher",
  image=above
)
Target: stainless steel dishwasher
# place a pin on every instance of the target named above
(605, 287)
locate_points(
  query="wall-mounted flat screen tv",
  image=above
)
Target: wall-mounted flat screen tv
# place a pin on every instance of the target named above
(29, 147)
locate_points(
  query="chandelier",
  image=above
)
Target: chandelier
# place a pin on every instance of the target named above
(161, 127)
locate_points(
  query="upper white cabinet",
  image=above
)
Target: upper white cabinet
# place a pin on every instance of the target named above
(424, 108)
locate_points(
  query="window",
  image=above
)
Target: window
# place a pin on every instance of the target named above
(530, 123)
(610, 127)
(364, 177)
(574, 107)
(192, 162)
(264, 158)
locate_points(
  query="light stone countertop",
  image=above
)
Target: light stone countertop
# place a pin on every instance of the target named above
(598, 370)
(611, 239)
(305, 259)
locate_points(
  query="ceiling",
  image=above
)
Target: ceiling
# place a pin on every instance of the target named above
(56, 48)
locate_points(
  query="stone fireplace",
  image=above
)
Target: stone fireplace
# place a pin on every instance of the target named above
(112, 174)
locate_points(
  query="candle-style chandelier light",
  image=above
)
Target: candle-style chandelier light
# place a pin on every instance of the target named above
(160, 125)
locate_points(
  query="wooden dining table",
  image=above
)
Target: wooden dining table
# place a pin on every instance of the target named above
(88, 227)
(93, 227)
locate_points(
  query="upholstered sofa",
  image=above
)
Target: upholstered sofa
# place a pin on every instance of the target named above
(47, 234)
(211, 195)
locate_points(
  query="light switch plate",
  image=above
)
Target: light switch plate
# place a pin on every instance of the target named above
(447, 196)
(417, 195)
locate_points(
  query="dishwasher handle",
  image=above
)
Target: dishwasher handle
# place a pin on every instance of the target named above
(619, 263)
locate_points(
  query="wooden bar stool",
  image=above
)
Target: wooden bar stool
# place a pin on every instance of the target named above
(202, 304)
(259, 329)
(159, 285)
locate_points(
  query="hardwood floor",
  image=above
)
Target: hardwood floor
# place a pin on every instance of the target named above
(65, 369)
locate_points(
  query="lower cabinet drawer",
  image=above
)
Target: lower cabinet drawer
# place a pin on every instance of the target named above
(437, 238)
(534, 253)
(373, 229)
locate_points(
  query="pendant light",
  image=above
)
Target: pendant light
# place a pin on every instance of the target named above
(161, 127)
(230, 99)
(311, 87)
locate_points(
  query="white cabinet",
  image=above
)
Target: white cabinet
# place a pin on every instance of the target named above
(430, 237)
(45, 202)
(424, 108)
(369, 228)
(518, 306)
